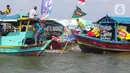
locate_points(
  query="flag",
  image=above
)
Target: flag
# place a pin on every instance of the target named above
(81, 2)
(46, 6)
(78, 13)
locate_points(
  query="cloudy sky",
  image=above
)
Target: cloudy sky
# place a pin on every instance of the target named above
(63, 9)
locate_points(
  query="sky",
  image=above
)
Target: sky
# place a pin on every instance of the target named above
(63, 9)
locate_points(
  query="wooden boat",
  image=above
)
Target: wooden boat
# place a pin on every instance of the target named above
(118, 40)
(57, 33)
(54, 29)
(21, 41)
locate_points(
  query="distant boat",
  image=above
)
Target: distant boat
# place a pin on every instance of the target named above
(117, 41)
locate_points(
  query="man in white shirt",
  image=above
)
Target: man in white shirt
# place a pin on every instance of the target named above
(33, 13)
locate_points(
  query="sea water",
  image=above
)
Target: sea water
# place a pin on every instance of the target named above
(71, 62)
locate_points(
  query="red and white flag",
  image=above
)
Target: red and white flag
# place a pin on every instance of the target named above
(81, 2)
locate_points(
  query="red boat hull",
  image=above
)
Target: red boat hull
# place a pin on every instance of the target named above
(56, 45)
(93, 44)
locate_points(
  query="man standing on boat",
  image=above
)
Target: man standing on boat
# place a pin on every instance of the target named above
(33, 13)
(39, 33)
(80, 25)
(8, 9)
(39, 28)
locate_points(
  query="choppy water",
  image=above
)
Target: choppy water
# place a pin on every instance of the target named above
(72, 62)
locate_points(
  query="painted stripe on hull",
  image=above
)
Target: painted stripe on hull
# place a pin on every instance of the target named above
(10, 47)
(102, 48)
(27, 53)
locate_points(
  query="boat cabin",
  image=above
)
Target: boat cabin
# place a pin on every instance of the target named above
(13, 33)
(53, 28)
(7, 24)
(117, 28)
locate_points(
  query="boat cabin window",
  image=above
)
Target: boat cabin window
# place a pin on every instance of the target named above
(23, 28)
(107, 32)
(1, 29)
(50, 31)
(128, 28)
(124, 32)
(5, 28)
(29, 41)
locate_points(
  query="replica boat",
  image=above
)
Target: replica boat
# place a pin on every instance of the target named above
(116, 38)
(21, 41)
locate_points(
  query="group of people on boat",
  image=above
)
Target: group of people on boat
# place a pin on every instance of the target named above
(88, 31)
(104, 32)
(32, 14)
(93, 31)
(39, 28)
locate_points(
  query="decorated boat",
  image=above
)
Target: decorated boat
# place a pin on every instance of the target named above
(20, 39)
(115, 38)
(59, 33)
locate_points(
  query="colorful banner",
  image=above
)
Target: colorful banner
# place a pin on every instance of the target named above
(78, 13)
(46, 8)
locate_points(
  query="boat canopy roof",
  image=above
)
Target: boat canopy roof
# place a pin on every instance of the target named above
(15, 18)
(47, 22)
(112, 19)
(52, 23)
(7, 18)
(24, 18)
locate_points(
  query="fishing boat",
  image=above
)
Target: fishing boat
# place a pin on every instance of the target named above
(21, 41)
(53, 30)
(57, 32)
(115, 39)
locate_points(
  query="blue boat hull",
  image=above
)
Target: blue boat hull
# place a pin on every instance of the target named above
(25, 50)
